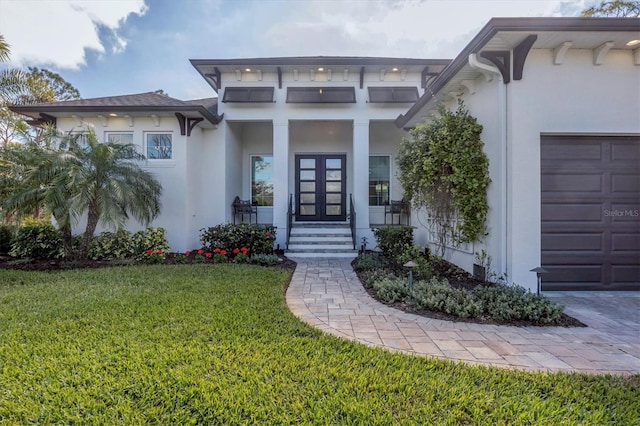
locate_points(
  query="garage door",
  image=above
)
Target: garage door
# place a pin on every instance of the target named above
(590, 212)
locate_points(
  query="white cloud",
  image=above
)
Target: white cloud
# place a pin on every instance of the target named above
(432, 28)
(58, 32)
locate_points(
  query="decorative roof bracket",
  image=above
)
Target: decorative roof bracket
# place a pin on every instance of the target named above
(560, 51)
(502, 60)
(191, 123)
(520, 53)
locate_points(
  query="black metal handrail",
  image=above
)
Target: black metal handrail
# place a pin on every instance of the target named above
(289, 219)
(352, 220)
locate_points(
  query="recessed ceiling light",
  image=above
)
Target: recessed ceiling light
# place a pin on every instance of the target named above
(633, 43)
(394, 69)
(320, 69)
(113, 114)
(247, 69)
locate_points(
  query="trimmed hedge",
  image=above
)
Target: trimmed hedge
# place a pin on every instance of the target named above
(259, 239)
(39, 240)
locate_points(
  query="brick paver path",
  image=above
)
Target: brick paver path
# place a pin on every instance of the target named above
(327, 294)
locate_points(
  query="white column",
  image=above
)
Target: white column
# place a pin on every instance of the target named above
(280, 179)
(361, 177)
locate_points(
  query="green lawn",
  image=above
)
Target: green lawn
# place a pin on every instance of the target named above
(217, 345)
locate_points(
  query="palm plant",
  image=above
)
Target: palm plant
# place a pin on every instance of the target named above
(78, 177)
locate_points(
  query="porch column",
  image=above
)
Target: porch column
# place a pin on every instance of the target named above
(280, 179)
(361, 177)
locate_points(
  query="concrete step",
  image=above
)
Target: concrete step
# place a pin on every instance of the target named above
(320, 240)
(320, 246)
(349, 255)
(320, 231)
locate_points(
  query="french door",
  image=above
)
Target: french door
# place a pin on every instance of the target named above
(321, 187)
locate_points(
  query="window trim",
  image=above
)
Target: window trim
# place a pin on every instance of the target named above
(107, 133)
(251, 156)
(146, 134)
(390, 157)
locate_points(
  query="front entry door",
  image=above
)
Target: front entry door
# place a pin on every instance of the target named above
(321, 187)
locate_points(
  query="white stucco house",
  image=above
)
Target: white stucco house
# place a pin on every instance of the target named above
(310, 141)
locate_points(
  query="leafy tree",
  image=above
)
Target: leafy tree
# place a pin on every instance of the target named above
(102, 180)
(444, 169)
(614, 9)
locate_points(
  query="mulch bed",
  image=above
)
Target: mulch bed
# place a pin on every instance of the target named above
(460, 278)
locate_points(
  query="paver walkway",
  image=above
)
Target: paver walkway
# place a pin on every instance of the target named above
(327, 294)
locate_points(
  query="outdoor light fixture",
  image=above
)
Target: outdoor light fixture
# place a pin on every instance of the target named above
(633, 43)
(539, 271)
(395, 70)
(320, 69)
(378, 252)
(113, 114)
(410, 265)
(247, 69)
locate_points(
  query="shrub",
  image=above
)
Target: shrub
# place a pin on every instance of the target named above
(365, 263)
(508, 303)
(112, 245)
(154, 257)
(37, 240)
(258, 239)
(150, 239)
(435, 295)
(413, 253)
(265, 259)
(369, 277)
(394, 240)
(391, 289)
(7, 234)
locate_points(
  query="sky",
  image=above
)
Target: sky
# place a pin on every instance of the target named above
(115, 47)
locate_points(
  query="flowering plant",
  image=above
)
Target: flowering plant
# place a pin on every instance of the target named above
(154, 256)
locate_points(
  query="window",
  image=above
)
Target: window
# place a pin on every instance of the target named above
(248, 94)
(379, 173)
(393, 94)
(262, 180)
(121, 138)
(321, 95)
(159, 146)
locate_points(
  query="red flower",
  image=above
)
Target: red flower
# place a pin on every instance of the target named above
(223, 252)
(217, 250)
(236, 250)
(209, 255)
(268, 234)
(187, 253)
(159, 252)
(244, 250)
(149, 252)
(200, 252)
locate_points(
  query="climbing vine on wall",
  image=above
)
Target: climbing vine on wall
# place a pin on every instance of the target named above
(444, 169)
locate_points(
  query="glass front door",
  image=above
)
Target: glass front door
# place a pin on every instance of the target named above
(321, 187)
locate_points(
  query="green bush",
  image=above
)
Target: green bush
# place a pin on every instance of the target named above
(365, 263)
(7, 234)
(259, 239)
(508, 303)
(112, 245)
(150, 239)
(394, 240)
(413, 253)
(265, 259)
(369, 277)
(436, 295)
(37, 240)
(391, 289)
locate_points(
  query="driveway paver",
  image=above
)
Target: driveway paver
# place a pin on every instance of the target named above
(327, 294)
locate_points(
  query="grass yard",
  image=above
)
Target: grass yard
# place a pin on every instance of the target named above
(217, 345)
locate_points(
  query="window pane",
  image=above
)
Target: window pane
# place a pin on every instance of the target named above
(308, 198)
(307, 175)
(333, 163)
(308, 210)
(334, 186)
(307, 187)
(307, 163)
(334, 198)
(379, 173)
(262, 180)
(333, 210)
(334, 174)
(121, 138)
(159, 146)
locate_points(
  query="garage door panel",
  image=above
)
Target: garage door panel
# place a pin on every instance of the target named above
(625, 151)
(571, 212)
(590, 212)
(572, 152)
(625, 243)
(623, 184)
(583, 182)
(559, 242)
(625, 273)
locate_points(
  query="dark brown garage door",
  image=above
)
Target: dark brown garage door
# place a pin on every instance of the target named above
(590, 212)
